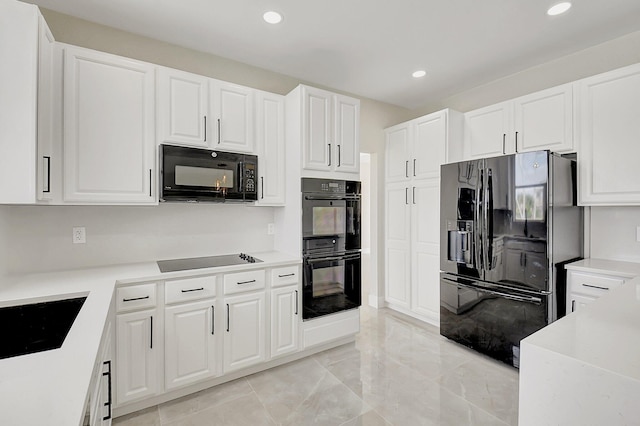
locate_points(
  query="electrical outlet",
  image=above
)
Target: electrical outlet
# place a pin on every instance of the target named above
(271, 229)
(79, 235)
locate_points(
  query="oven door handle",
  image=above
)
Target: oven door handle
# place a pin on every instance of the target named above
(325, 259)
(332, 197)
(529, 299)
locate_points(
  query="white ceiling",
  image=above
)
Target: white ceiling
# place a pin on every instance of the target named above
(371, 47)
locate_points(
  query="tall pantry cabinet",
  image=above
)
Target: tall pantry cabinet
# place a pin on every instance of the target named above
(414, 152)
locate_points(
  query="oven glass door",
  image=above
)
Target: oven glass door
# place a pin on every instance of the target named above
(489, 320)
(331, 284)
(324, 217)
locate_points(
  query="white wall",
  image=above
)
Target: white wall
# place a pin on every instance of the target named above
(613, 233)
(38, 238)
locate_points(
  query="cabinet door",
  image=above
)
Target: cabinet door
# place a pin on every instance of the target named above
(183, 108)
(191, 343)
(398, 247)
(429, 145)
(425, 248)
(244, 338)
(285, 316)
(136, 355)
(544, 120)
(108, 128)
(232, 108)
(487, 131)
(397, 152)
(271, 146)
(347, 134)
(316, 129)
(45, 111)
(608, 172)
(578, 301)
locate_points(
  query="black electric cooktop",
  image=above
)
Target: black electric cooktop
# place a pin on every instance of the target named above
(173, 265)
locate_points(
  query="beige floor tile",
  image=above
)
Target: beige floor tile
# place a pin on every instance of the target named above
(370, 418)
(148, 417)
(243, 411)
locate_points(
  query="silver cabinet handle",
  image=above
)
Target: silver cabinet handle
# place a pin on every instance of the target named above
(219, 130)
(246, 282)
(227, 317)
(329, 154)
(296, 301)
(262, 187)
(286, 275)
(135, 298)
(516, 142)
(595, 286)
(192, 289)
(205, 128)
(339, 159)
(406, 195)
(406, 168)
(150, 183)
(504, 149)
(414, 167)
(413, 194)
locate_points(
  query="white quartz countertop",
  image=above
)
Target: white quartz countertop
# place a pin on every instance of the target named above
(605, 334)
(604, 266)
(51, 387)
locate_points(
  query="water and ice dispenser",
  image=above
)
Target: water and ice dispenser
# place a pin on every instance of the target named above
(460, 241)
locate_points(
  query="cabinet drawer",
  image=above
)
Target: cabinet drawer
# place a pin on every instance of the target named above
(594, 285)
(136, 297)
(244, 281)
(189, 289)
(285, 276)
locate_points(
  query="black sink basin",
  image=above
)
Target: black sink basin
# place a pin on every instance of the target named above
(36, 327)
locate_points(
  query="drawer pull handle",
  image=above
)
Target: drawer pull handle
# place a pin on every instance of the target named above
(213, 320)
(286, 275)
(109, 402)
(246, 282)
(595, 286)
(296, 301)
(151, 333)
(135, 298)
(192, 289)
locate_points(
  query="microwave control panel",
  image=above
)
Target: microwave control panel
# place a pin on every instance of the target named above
(249, 177)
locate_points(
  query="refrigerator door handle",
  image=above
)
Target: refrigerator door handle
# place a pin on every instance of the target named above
(527, 299)
(488, 220)
(478, 239)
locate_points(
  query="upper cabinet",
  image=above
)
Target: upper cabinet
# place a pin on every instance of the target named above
(26, 44)
(270, 140)
(609, 111)
(329, 126)
(416, 149)
(202, 112)
(183, 107)
(232, 109)
(541, 120)
(109, 149)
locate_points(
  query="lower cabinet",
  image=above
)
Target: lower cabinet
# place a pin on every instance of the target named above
(101, 391)
(585, 287)
(191, 343)
(285, 316)
(244, 338)
(136, 355)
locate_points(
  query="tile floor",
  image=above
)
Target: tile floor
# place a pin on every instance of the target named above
(398, 372)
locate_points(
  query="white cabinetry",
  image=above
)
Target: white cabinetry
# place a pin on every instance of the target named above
(270, 142)
(585, 287)
(541, 120)
(26, 44)
(245, 338)
(101, 396)
(137, 343)
(609, 127)
(329, 128)
(183, 107)
(232, 108)
(285, 310)
(192, 341)
(109, 154)
(414, 152)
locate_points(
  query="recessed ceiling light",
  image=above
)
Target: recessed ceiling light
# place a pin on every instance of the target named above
(418, 74)
(559, 8)
(272, 17)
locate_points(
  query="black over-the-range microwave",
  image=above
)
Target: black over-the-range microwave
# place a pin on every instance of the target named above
(203, 175)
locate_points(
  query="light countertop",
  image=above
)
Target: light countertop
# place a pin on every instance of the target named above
(604, 266)
(51, 387)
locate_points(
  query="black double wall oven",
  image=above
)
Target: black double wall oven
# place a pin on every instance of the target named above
(330, 246)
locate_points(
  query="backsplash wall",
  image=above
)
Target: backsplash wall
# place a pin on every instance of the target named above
(613, 233)
(38, 238)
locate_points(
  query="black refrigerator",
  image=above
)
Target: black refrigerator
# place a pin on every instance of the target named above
(506, 223)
